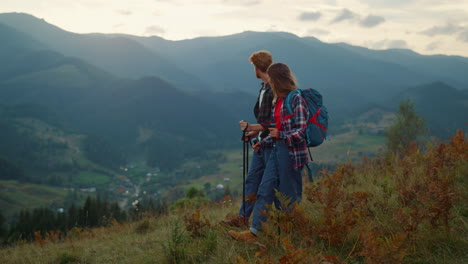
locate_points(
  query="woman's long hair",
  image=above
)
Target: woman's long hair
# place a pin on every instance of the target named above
(282, 80)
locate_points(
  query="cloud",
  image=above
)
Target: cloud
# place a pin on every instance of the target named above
(242, 2)
(463, 36)
(372, 21)
(389, 44)
(368, 22)
(272, 28)
(345, 14)
(330, 2)
(448, 29)
(124, 12)
(387, 3)
(154, 30)
(433, 45)
(309, 16)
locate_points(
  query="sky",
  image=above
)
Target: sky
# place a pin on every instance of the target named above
(425, 26)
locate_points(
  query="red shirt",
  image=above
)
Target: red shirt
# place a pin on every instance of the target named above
(292, 128)
(278, 106)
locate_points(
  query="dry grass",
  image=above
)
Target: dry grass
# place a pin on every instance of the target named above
(409, 209)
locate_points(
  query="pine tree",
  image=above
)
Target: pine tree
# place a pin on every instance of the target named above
(408, 127)
(2, 225)
(73, 216)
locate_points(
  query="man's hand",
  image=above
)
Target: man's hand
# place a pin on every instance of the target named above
(274, 133)
(243, 125)
(250, 135)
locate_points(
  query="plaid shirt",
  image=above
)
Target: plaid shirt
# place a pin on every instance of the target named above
(293, 130)
(263, 113)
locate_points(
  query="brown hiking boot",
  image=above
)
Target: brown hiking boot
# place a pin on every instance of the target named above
(237, 221)
(244, 236)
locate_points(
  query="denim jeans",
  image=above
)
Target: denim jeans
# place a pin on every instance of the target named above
(279, 175)
(254, 177)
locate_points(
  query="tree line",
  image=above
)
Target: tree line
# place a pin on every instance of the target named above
(28, 224)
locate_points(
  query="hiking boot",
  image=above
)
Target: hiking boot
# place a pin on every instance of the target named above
(237, 221)
(244, 236)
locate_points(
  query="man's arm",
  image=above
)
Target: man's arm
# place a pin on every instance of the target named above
(251, 127)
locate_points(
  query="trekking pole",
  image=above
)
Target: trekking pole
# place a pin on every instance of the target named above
(276, 198)
(245, 165)
(274, 154)
(243, 178)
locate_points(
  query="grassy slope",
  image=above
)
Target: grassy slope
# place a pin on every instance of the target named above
(15, 196)
(359, 214)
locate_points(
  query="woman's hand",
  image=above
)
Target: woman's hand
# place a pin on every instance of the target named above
(257, 146)
(274, 133)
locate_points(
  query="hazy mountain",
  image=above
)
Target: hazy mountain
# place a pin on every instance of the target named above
(444, 107)
(118, 55)
(449, 69)
(348, 79)
(347, 76)
(131, 114)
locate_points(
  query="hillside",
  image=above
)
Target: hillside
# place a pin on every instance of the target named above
(39, 157)
(385, 210)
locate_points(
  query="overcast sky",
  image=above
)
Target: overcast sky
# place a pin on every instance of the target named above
(425, 26)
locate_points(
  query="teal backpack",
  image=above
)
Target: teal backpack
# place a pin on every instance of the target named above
(317, 124)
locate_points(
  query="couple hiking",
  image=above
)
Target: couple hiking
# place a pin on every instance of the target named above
(280, 148)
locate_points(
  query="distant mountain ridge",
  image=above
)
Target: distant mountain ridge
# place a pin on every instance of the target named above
(90, 100)
(216, 69)
(120, 56)
(448, 69)
(347, 77)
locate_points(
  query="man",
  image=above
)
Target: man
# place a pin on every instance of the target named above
(261, 60)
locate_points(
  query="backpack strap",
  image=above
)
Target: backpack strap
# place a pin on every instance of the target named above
(287, 101)
(310, 154)
(309, 173)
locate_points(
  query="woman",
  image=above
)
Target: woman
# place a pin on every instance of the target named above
(287, 136)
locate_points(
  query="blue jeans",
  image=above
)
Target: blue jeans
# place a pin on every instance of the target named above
(254, 177)
(280, 175)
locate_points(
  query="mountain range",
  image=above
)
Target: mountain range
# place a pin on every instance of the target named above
(347, 76)
(151, 95)
(134, 116)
